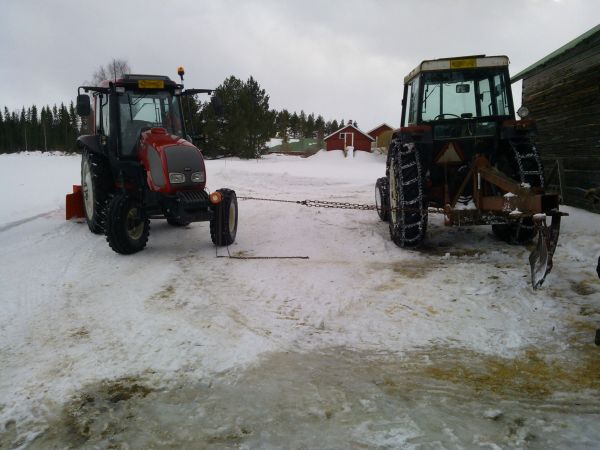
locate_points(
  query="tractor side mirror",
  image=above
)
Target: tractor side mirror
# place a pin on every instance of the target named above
(83, 105)
(217, 105)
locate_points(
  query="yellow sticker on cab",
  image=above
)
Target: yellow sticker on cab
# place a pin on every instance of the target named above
(467, 63)
(151, 84)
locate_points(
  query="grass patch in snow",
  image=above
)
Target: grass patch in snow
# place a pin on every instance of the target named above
(533, 373)
(96, 411)
(583, 287)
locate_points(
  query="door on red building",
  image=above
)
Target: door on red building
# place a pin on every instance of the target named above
(348, 140)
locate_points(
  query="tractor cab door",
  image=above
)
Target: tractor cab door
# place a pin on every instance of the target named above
(102, 122)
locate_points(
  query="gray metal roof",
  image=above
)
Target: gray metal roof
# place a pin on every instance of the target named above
(542, 62)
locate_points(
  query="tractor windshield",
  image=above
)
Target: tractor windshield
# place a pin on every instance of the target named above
(140, 111)
(464, 94)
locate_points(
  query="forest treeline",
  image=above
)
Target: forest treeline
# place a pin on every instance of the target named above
(243, 127)
(42, 129)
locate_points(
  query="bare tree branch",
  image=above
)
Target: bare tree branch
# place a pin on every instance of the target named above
(113, 70)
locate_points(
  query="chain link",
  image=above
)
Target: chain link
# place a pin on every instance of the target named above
(310, 204)
(333, 205)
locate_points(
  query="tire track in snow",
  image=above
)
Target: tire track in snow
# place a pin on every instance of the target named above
(17, 223)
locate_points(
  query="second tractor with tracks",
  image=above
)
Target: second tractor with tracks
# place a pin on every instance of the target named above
(460, 149)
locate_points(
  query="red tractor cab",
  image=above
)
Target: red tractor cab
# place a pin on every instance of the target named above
(138, 163)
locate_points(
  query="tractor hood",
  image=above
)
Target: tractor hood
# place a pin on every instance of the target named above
(172, 164)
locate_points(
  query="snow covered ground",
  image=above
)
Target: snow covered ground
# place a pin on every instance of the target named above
(363, 345)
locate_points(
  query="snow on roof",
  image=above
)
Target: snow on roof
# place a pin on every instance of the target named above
(379, 126)
(348, 126)
(555, 54)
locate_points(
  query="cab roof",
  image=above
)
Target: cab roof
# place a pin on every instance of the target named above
(459, 62)
(133, 80)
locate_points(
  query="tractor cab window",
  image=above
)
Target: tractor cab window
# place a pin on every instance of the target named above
(102, 116)
(464, 95)
(500, 95)
(413, 95)
(141, 111)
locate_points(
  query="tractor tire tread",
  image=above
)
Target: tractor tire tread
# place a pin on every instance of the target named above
(410, 227)
(220, 231)
(116, 234)
(101, 184)
(382, 189)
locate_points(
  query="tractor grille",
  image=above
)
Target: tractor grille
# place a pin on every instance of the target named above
(193, 199)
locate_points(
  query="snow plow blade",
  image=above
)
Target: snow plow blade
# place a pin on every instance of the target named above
(75, 204)
(540, 258)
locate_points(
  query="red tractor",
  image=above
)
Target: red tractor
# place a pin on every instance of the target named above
(139, 164)
(460, 149)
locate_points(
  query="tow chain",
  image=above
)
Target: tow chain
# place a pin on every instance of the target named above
(333, 205)
(316, 203)
(310, 204)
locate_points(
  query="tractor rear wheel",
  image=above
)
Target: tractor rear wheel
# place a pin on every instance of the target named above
(127, 225)
(382, 200)
(407, 200)
(523, 164)
(223, 226)
(95, 184)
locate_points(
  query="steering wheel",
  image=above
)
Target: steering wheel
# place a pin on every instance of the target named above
(441, 116)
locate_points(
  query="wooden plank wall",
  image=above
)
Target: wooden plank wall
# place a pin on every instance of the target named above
(564, 99)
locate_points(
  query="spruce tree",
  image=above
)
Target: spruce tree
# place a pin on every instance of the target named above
(309, 129)
(294, 125)
(283, 123)
(246, 124)
(320, 130)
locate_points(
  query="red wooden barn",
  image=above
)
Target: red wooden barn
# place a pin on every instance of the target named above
(348, 136)
(375, 132)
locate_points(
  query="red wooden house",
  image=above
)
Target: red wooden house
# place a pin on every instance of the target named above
(348, 136)
(375, 132)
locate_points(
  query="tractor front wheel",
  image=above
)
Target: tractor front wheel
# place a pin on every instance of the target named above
(382, 200)
(127, 225)
(95, 184)
(223, 226)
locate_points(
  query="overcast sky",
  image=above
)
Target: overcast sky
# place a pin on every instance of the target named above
(342, 59)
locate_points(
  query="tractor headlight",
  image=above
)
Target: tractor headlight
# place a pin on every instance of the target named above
(198, 177)
(176, 177)
(523, 112)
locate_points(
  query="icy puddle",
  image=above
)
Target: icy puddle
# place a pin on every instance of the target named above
(439, 398)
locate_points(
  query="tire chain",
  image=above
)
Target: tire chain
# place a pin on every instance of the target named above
(525, 150)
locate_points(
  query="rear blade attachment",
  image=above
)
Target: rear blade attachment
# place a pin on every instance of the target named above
(74, 204)
(540, 258)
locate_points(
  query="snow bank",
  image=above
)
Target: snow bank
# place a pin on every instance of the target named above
(35, 183)
(327, 156)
